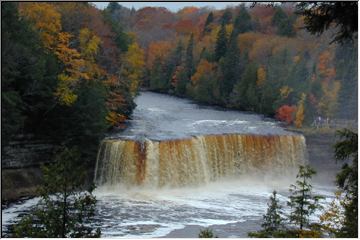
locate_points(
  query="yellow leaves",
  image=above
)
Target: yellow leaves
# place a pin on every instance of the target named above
(296, 59)
(285, 91)
(133, 66)
(115, 119)
(63, 91)
(300, 113)
(135, 56)
(261, 76)
(328, 102)
(89, 44)
(332, 219)
(203, 68)
(157, 49)
(45, 19)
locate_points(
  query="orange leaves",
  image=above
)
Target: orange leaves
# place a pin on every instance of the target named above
(45, 19)
(300, 111)
(203, 68)
(185, 26)
(155, 50)
(286, 113)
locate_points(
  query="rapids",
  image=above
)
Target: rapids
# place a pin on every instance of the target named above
(181, 164)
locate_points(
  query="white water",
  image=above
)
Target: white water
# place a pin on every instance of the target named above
(140, 212)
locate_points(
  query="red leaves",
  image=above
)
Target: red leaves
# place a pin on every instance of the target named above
(286, 113)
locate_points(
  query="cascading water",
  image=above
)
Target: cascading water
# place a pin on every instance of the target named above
(196, 160)
(180, 165)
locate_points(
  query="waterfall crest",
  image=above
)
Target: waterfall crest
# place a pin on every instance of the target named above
(196, 160)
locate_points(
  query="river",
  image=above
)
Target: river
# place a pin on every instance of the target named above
(180, 166)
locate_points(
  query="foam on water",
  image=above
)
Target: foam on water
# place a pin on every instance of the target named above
(145, 213)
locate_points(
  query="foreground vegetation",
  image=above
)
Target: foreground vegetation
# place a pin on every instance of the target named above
(65, 208)
(340, 219)
(71, 72)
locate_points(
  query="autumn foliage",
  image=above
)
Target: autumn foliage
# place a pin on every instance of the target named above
(286, 113)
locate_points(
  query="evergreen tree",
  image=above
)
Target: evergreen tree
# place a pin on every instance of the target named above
(64, 210)
(29, 76)
(272, 220)
(283, 23)
(157, 80)
(175, 59)
(221, 43)
(347, 180)
(230, 69)
(242, 21)
(302, 201)
(189, 58)
(208, 21)
(226, 17)
(347, 72)
(244, 96)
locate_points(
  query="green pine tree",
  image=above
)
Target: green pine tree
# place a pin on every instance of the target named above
(189, 58)
(226, 17)
(347, 180)
(209, 20)
(272, 221)
(64, 210)
(242, 21)
(221, 43)
(302, 201)
(230, 68)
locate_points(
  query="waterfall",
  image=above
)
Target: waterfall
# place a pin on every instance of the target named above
(196, 160)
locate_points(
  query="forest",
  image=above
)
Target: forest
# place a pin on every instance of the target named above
(258, 59)
(72, 71)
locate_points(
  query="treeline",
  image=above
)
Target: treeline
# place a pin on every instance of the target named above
(66, 74)
(255, 59)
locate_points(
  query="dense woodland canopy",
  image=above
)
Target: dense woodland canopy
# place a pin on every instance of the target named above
(250, 58)
(72, 70)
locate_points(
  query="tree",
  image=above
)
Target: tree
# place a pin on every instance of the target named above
(300, 112)
(64, 210)
(242, 21)
(209, 20)
(347, 180)
(45, 18)
(221, 43)
(133, 67)
(189, 57)
(226, 17)
(319, 17)
(230, 68)
(302, 201)
(26, 82)
(283, 23)
(272, 220)
(332, 219)
(285, 113)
